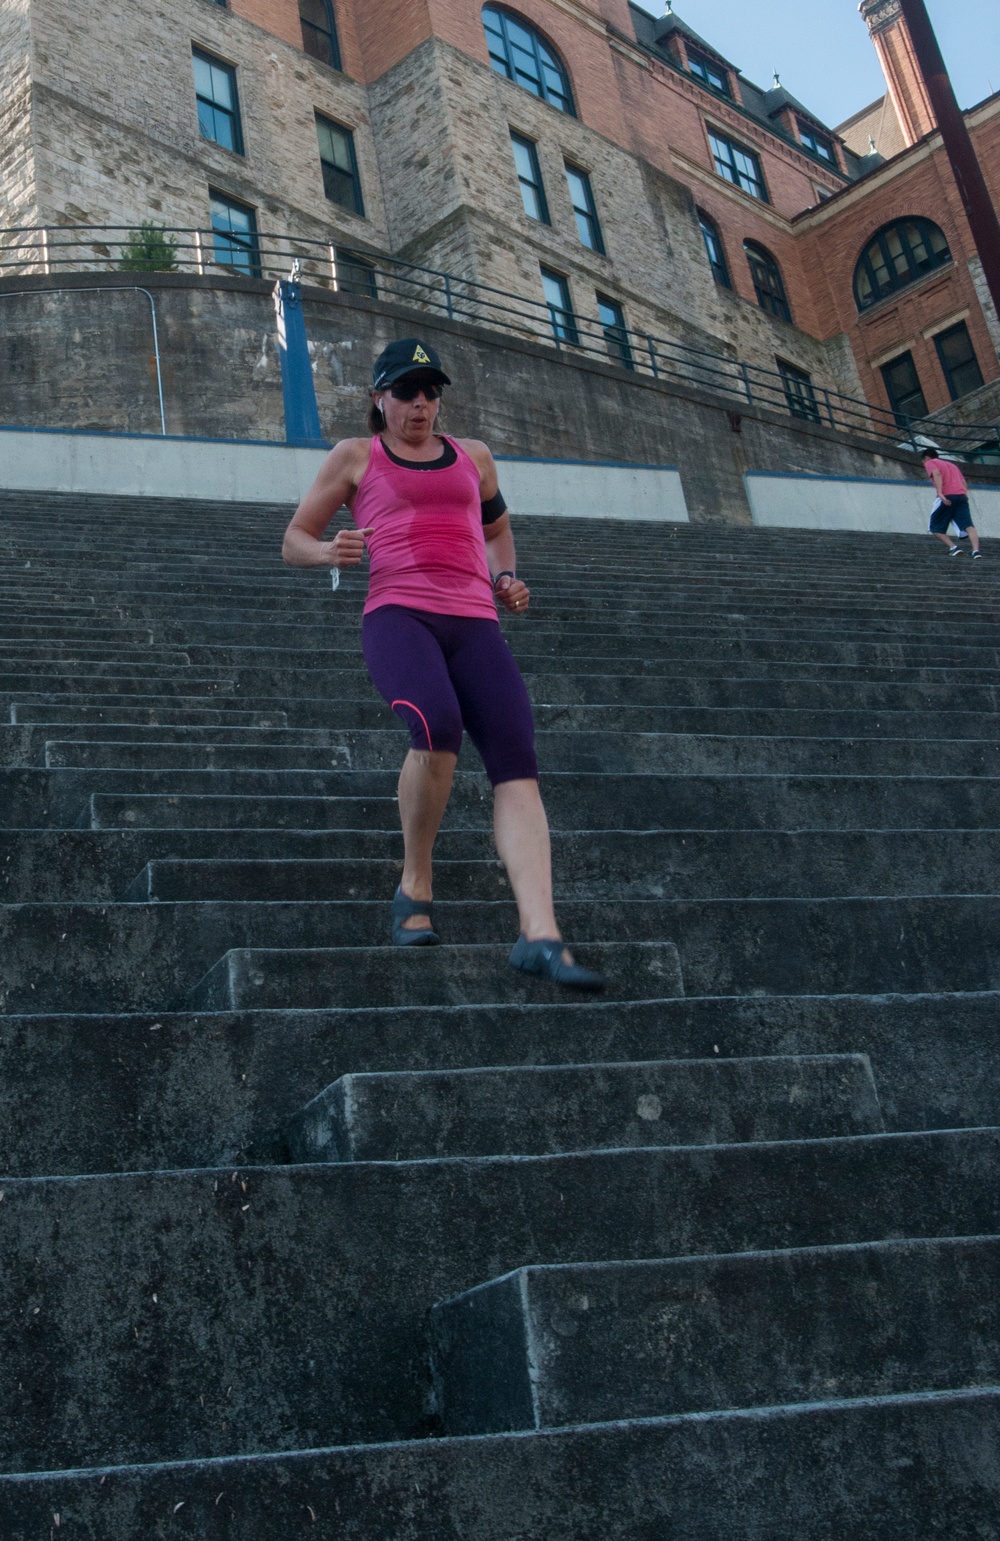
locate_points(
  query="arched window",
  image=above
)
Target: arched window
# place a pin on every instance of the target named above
(520, 53)
(319, 31)
(715, 249)
(767, 281)
(898, 255)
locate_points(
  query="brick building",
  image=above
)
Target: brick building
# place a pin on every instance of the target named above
(583, 154)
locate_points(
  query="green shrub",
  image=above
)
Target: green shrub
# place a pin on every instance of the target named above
(149, 250)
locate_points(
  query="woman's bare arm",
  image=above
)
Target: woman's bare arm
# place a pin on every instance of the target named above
(500, 553)
(335, 485)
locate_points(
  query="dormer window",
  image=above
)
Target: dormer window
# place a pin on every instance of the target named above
(713, 75)
(816, 143)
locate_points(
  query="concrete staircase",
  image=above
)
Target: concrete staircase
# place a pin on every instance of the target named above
(303, 1235)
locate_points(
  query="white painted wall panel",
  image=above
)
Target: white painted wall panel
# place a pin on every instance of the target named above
(870, 507)
(220, 470)
(574, 488)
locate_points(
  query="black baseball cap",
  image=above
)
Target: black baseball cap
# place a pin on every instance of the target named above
(408, 356)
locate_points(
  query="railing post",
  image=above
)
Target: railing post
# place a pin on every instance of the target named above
(447, 297)
(652, 357)
(199, 260)
(297, 385)
(333, 266)
(45, 252)
(744, 371)
(829, 407)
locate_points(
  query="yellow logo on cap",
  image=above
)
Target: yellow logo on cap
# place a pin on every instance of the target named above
(420, 357)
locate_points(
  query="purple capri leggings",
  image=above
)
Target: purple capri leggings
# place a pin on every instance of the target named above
(441, 673)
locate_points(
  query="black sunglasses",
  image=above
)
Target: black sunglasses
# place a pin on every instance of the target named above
(409, 390)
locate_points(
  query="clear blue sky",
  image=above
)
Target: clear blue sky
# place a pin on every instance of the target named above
(822, 52)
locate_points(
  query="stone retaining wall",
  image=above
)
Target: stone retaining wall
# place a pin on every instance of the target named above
(77, 357)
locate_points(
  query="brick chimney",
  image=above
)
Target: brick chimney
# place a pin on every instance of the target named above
(894, 47)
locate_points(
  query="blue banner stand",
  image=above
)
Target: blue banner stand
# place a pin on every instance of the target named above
(301, 413)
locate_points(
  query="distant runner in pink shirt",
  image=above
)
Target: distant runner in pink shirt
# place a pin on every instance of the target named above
(952, 506)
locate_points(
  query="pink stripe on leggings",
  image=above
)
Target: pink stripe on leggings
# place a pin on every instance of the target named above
(420, 714)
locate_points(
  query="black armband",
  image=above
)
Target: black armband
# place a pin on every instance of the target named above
(493, 508)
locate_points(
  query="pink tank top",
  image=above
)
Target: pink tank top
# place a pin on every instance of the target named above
(427, 549)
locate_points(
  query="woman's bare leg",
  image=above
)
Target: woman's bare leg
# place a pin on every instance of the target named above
(522, 837)
(424, 788)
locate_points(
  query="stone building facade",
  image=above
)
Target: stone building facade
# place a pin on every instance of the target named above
(675, 149)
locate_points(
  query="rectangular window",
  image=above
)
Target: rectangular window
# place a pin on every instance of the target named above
(799, 393)
(341, 182)
(715, 249)
(218, 104)
(530, 177)
(902, 384)
(234, 227)
(711, 75)
(816, 143)
(561, 318)
(584, 208)
(958, 360)
(355, 275)
(739, 166)
(615, 332)
(319, 31)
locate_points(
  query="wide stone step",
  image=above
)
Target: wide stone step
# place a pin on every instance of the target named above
(841, 1469)
(649, 633)
(551, 1346)
(171, 1090)
(327, 1274)
(31, 713)
(587, 864)
(88, 679)
(132, 957)
(311, 683)
(265, 978)
(398, 1116)
(249, 736)
(764, 692)
(163, 811)
(229, 799)
(56, 652)
(363, 859)
(88, 630)
(629, 754)
(664, 610)
(617, 719)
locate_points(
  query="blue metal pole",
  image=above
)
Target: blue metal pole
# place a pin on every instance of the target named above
(301, 412)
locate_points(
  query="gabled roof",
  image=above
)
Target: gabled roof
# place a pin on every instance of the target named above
(671, 23)
(764, 107)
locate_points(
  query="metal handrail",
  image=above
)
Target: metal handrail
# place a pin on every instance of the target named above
(379, 276)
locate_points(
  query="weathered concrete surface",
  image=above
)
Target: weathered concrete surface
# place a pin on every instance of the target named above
(534, 1111)
(577, 1344)
(295, 1301)
(297, 1305)
(876, 1470)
